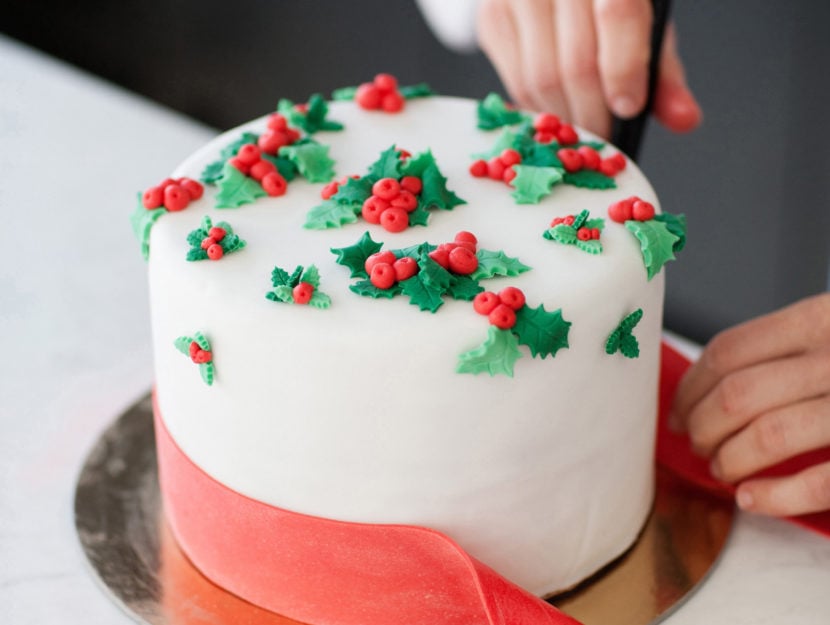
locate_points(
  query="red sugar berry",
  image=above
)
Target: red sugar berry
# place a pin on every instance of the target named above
(571, 159)
(270, 142)
(466, 237)
(274, 184)
(595, 233)
(495, 168)
(404, 154)
(509, 175)
(583, 234)
(542, 136)
(405, 200)
(502, 316)
(392, 102)
(207, 242)
(394, 219)
(372, 209)
(556, 221)
(608, 167)
(510, 157)
(479, 168)
(302, 293)
(201, 357)
(405, 268)
(329, 190)
(277, 121)
(569, 220)
(546, 122)
(292, 134)
(262, 167)
(512, 297)
(590, 157)
(441, 256)
(194, 348)
(194, 189)
(485, 302)
(385, 82)
(448, 247)
(642, 210)
(368, 96)
(175, 198)
(215, 252)
(467, 245)
(618, 160)
(413, 184)
(462, 261)
(386, 188)
(382, 276)
(623, 210)
(166, 183)
(243, 167)
(217, 234)
(248, 153)
(301, 107)
(152, 198)
(378, 257)
(566, 135)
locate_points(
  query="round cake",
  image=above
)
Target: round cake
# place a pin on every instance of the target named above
(309, 385)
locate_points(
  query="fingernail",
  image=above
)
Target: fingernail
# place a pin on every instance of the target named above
(744, 499)
(714, 469)
(625, 106)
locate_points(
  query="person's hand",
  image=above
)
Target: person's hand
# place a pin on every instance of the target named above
(760, 394)
(583, 59)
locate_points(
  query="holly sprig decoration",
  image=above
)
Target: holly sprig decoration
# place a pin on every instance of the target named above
(197, 347)
(579, 230)
(493, 112)
(425, 273)
(382, 94)
(299, 287)
(311, 116)
(212, 242)
(622, 340)
(396, 192)
(513, 323)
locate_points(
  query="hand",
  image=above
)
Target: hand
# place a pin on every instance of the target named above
(583, 59)
(760, 394)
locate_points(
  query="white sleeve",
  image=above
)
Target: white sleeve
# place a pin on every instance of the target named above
(452, 21)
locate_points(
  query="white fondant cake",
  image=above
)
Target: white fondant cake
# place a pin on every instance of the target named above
(357, 412)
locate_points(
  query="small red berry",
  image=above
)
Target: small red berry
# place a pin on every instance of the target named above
(623, 210)
(277, 121)
(385, 82)
(270, 142)
(571, 159)
(215, 252)
(502, 316)
(368, 96)
(152, 198)
(166, 183)
(546, 122)
(372, 209)
(466, 237)
(382, 276)
(217, 234)
(175, 198)
(479, 168)
(386, 188)
(207, 242)
(462, 261)
(583, 234)
(243, 167)
(566, 135)
(441, 256)
(329, 190)
(618, 160)
(509, 175)
(495, 168)
(292, 134)
(569, 220)
(194, 189)
(404, 154)
(302, 293)
(301, 107)
(274, 184)
(392, 102)
(405, 200)
(201, 357)
(595, 232)
(485, 302)
(542, 136)
(608, 168)
(405, 268)
(378, 257)
(394, 219)
(642, 210)
(194, 349)
(448, 247)
(510, 157)
(413, 184)
(512, 297)
(556, 221)
(590, 157)
(261, 168)
(248, 153)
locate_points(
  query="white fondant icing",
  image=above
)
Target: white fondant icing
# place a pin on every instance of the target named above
(356, 412)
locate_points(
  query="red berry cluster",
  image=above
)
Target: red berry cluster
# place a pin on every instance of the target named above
(583, 234)
(302, 293)
(278, 134)
(586, 157)
(500, 308)
(499, 167)
(199, 355)
(385, 270)
(174, 195)
(550, 128)
(249, 161)
(391, 202)
(333, 187)
(631, 208)
(458, 257)
(211, 243)
(382, 93)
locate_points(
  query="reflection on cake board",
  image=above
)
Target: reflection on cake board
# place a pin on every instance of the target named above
(121, 528)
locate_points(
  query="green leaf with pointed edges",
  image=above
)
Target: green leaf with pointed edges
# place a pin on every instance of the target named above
(433, 274)
(314, 120)
(596, 145)
(330, 214)
(592, 246)
(421, 293)
(319, 300)
(580, 219)
(414, 251)
(232, 243)
(236, 189)
(312, 161)
(545, 333)
(542, 155)
(464, 288)
(282, 293)
(142, 221)
(354, 192)
(285, 167)
(208, 372)
(497, 263)
(196, 253)
(232, 148)
(344, 94)
(388, 165)
(417, 164)
(354, 256)
(531, 183)
(202, 341)
(627, 324)
(507, 139)
(676, 224)
(294, 278)
(656, 243)
(183, 344)
(212, 172)
(195, 237)
(622, 339)
(589, 179)
(435, 192)
(629, 346)
(366, 288)
(496, 355)
(419, 217)
(598, 223)
(280, 277)
(312, 276)
(563, 233)
(420, 90)
(494, 113)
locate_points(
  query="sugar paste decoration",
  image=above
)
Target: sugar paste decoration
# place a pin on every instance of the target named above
(535, 156)
(493, 112)
(168, 196)
(311, 116)
(397, 192)
(300, 287)
(382, 94)
(622, 340)
(253, 165)
(660, 236)
(578, 230)
(513, 322)
(212, 242)
(425, 272)
(198, 349)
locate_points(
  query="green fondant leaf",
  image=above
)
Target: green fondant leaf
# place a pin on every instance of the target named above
(589, 179)
(142, 221)
(208, 372)
(365, 287)
(285, 167)
(344, 94)
(232, 148)
(280, 277)
(435, 192)
(314, 119)
(543, 332)
(354, 192)
(592, 246)
(627, 324)
(464, 288)
(202, 341)
(531, 183)
(294, 278)
(283, 293)
(232, 243)
(319, 300)
(542, 155)
(580, 219)
(622, 339)
(497, 263)
(656, 242)
(494, 113)
(354, 256)
(212, 172)
(415, 251)
(330, 214)
(236, 189)
(388, 165)
(564, 234)
(496, 355)
(312, 160)
(196, 253)
(598, 223)
(629, 347)
(419, 217)
(420, 90)
(421, 293)
(183, 344)
(434, 275)
(312, 276)
(676, 224)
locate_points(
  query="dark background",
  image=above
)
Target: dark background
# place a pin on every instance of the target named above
(753, 180)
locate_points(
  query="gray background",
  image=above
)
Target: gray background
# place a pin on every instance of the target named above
(753, 180)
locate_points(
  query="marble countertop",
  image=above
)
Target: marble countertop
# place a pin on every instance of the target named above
(75, 344)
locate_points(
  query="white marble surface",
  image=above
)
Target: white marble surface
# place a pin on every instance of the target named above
(74, 339)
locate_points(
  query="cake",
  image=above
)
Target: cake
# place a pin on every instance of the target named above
(528, 446)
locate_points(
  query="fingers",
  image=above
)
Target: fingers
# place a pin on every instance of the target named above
(674, 105)
(802, 493)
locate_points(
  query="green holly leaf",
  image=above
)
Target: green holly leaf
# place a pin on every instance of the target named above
(543, 332)
(344, 94)
(196, 253)
(598, 223)
(656, 243)
(366, 288)
(354, 192)
(464, 288)
(531, 183)
(434, 275)
(212, 172)
(312, 160)
(596, 145)
(354, 256)
(415, 251)
(627, 324)
(629, 347)
(435, 192)
(330, 214)
(314, 119)
(202, 341)
(236, 189)
(280, 277)
(589, 179)
(496, 355)
(285, 167)
(493, 113)
(183, 344)
(232, 148)
(208, 372)
(142, 221)
(294, 278)
(422, 293)
(312, 276)
(508, 138)
(497, 263)
(388, 165)
(622, 339)
(592, 246)
(420, 90)
(282, 293)
(232, 243)
(676, 224)
(420, 216)
(542, 155)
(319, 300)
(563, 233)
(580, 219)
